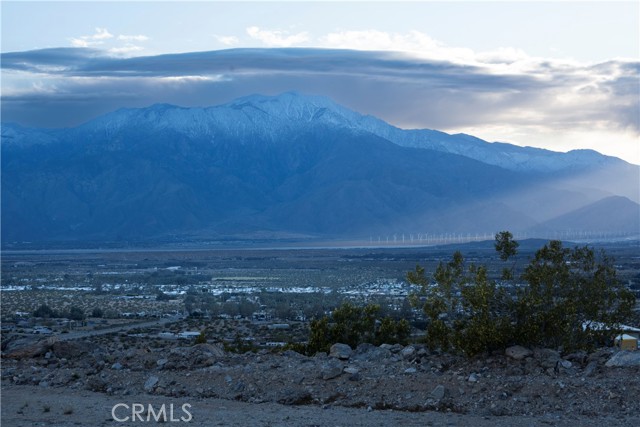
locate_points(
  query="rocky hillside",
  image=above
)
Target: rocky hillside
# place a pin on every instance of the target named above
(521, 382)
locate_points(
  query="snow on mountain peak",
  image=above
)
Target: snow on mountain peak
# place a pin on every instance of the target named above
(268, 118)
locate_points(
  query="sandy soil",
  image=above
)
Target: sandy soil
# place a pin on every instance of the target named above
(36, 406)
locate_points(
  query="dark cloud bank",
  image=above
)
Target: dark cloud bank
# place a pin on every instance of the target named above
(77, 84)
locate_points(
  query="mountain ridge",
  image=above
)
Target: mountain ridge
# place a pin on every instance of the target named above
(295, 102)
(285, 164)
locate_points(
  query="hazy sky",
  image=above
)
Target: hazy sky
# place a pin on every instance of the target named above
(558, 75)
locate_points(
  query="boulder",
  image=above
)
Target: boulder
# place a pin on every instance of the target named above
(591, 368)
(624, 359)
(331, 369)
(340, 351)
(72, 349)
(547, 358)
(214, 350)
(393, 348)
(518, 352)
(198, 356)
(409, 352)
(151, 383)
(438, 392)
(33, 350)
(370, 353)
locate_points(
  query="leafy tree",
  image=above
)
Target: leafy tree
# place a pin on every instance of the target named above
(485, 325)
(319, 336)
(97, 312)
(465, 310)
(392, 331)
(76, 313)
(353, 325)
(572, 299)
(44, 311)
(507, 248)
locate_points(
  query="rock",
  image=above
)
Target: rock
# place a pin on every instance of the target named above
(95, 383)
(340, 351)
(151, 383)
(351, 370)
(590, 369)
(211, 349)
(566, 364)
(162, 362)
(579, 357)
(395, 348)
(473, 378)
(295, 397)
(601, 355)
(370, 353)
(409, 352)
(410, 371)
(331, 370)
(198, 356)
(116, 366)
(547, 358)
(438, 393)
(72, 349)
(294, 355)
(354, 377)
(624, 359)
(518, 352)
(32, 350)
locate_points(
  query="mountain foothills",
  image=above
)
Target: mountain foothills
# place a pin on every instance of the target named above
(293, 165)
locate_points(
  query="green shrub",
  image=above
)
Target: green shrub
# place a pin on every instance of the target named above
(202, 337)
(353, 325)
(572, 300)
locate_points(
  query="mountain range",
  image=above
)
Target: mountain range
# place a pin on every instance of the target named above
(294, 166)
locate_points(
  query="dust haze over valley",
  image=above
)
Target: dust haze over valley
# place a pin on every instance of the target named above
(320, 213)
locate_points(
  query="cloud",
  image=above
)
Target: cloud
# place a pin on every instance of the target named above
(228, 40)
(95, 39)
(123, 50)
(101, 34)
(277, 38)
(551, 99)
(104, 39)
(136, 38)
(413, 42)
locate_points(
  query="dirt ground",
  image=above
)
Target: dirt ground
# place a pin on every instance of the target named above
(32, 406)
(48, 382)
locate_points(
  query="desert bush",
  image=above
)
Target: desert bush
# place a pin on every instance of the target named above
(351, 324)
(202, 338)
(571, 299)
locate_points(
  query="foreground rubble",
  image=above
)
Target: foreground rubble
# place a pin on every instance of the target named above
(535, 383)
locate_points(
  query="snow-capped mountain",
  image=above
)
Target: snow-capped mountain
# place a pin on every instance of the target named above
(286, 164)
